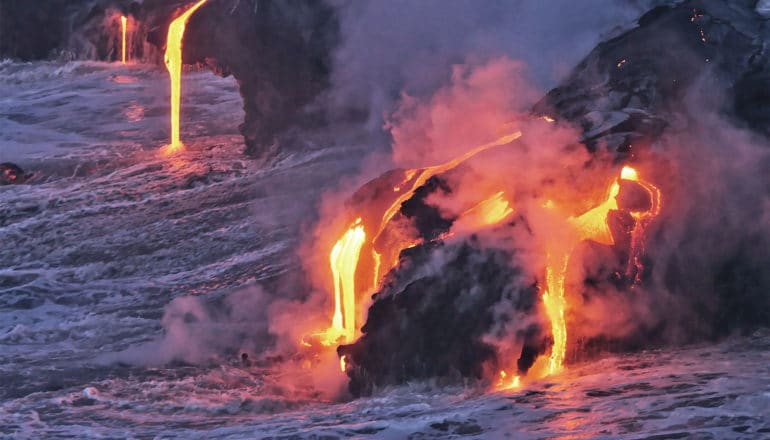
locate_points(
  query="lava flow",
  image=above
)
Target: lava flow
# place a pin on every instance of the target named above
(173, 59)
(489, 212)
(592, 225)
(345, 253)
(344, 261)
(124, 28)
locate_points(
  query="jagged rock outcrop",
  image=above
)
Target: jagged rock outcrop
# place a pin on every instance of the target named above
(626, 94)
(11, 174)
(280, 53)
(631, 87)
(69, 29)
(432, 315)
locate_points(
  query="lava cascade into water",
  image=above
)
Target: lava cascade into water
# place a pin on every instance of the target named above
(591, 225)
(124, 31)
(346, 252)
(173, 59)
(344, 261)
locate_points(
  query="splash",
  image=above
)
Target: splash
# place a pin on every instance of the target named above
(124, 28)
(173, 59)
(505, 383)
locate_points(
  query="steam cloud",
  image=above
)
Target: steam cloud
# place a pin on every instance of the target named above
(443, 76)
(390, 47)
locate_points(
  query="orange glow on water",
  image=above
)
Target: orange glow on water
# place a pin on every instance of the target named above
(173, 59)
(124, 28)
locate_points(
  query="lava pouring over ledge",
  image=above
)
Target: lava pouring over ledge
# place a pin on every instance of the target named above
(345, 254)
(360, 256)
(124, 29)
(593, 226)
(173, 60)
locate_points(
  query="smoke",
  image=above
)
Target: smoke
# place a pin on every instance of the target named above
(713, 244)
(201, 330)
(702, 272)
(247, 327)
(447, 76)
(390, 47)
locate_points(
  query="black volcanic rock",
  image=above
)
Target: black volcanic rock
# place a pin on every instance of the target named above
(427, 219)
(630, 91)
(11, 173)
(431, 317)
(74, 29)
(34, 30)
(631, 87)
(280, 53)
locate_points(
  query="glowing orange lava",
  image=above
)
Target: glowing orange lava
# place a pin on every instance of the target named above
(504, 383)
(423, 175)
(643, 220)
(488, 212)
(344, 261)
(173, 59)
(344, 256)
(124, 26)
(592, 225)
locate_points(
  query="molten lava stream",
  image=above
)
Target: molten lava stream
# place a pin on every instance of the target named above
(344, 261)
(643, 219)
(124, 28)
(488, 212)
(592, 225)
(173, 59)
(344, 257)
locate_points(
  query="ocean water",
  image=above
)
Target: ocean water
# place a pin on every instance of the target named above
(109, 232)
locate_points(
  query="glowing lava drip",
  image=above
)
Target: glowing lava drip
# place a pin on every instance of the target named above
(344, 256)
(591, 225)
(344, 261)
(124, 26)
(643, 219)
(173, 59)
